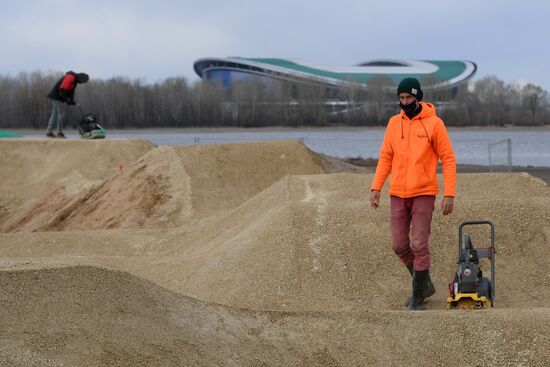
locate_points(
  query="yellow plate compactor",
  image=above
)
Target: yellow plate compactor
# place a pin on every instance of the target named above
(469, 288)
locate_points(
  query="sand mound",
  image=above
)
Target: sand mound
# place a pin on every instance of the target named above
(311, 243)
(168, 186)
(314, 243)
(29, 167)
(86, 316)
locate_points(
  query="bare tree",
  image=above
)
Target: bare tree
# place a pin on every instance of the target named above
(533, 96)
(492, 97)
(121, 102)
(382, 96)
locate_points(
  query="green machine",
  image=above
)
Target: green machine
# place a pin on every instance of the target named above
(89, 127)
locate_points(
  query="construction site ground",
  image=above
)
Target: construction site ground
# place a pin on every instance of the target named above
(123, 253)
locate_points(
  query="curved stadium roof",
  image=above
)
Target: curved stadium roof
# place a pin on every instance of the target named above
(443, 74)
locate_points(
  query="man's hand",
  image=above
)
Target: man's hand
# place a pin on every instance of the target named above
(375, 198)
(447, 205)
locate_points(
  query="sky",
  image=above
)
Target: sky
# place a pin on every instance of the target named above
(157, 39)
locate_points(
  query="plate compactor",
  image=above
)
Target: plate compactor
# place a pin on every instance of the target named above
(89, 128)
(470, 289)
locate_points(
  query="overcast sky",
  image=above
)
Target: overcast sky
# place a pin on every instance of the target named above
(156, 39)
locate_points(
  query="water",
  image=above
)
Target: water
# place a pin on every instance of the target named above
(528, 147)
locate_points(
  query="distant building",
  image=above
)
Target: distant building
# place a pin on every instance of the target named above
(434, 75)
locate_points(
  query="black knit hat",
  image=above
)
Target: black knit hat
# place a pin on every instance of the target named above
(82, 78)
(411, 86)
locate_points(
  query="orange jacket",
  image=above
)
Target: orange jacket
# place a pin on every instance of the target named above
(411, 151)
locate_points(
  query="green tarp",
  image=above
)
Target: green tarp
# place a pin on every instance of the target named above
(7, 134)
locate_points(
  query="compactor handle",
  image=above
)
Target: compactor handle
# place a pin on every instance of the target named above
(80, 109)
(475, 222)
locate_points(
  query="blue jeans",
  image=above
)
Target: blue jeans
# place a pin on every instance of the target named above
(56, 118)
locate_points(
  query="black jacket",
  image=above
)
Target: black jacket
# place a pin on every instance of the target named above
(63, 89)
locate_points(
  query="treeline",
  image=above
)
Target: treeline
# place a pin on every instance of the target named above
(124, 103)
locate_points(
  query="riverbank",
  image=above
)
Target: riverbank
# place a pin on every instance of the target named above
(369, 165)
(522, 147)
(279, 129)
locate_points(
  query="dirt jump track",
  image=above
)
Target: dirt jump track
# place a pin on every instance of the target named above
(122, 253)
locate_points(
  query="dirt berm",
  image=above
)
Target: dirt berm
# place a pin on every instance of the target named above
(247, 254)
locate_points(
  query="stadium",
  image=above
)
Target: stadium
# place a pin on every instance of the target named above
(434, 75)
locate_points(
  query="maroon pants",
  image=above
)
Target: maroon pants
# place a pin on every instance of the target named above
(412, 215)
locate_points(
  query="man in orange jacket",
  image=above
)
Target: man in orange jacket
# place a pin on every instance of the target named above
(414, 142)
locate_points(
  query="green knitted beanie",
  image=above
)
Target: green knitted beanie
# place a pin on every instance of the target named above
(411, 86)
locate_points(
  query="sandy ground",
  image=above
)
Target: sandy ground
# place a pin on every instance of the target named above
(121, 253)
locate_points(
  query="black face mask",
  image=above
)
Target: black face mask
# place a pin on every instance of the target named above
(408, 108)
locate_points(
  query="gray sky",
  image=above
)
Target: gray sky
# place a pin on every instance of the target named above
(156, 39)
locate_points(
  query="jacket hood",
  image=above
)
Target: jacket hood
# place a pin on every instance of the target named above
(428, 110)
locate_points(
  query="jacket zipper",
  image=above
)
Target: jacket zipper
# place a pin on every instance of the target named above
(407, 162)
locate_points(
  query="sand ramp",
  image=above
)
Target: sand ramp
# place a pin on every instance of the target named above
(87, 316)
(29, 166)
(165, 187)
(311, 243)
